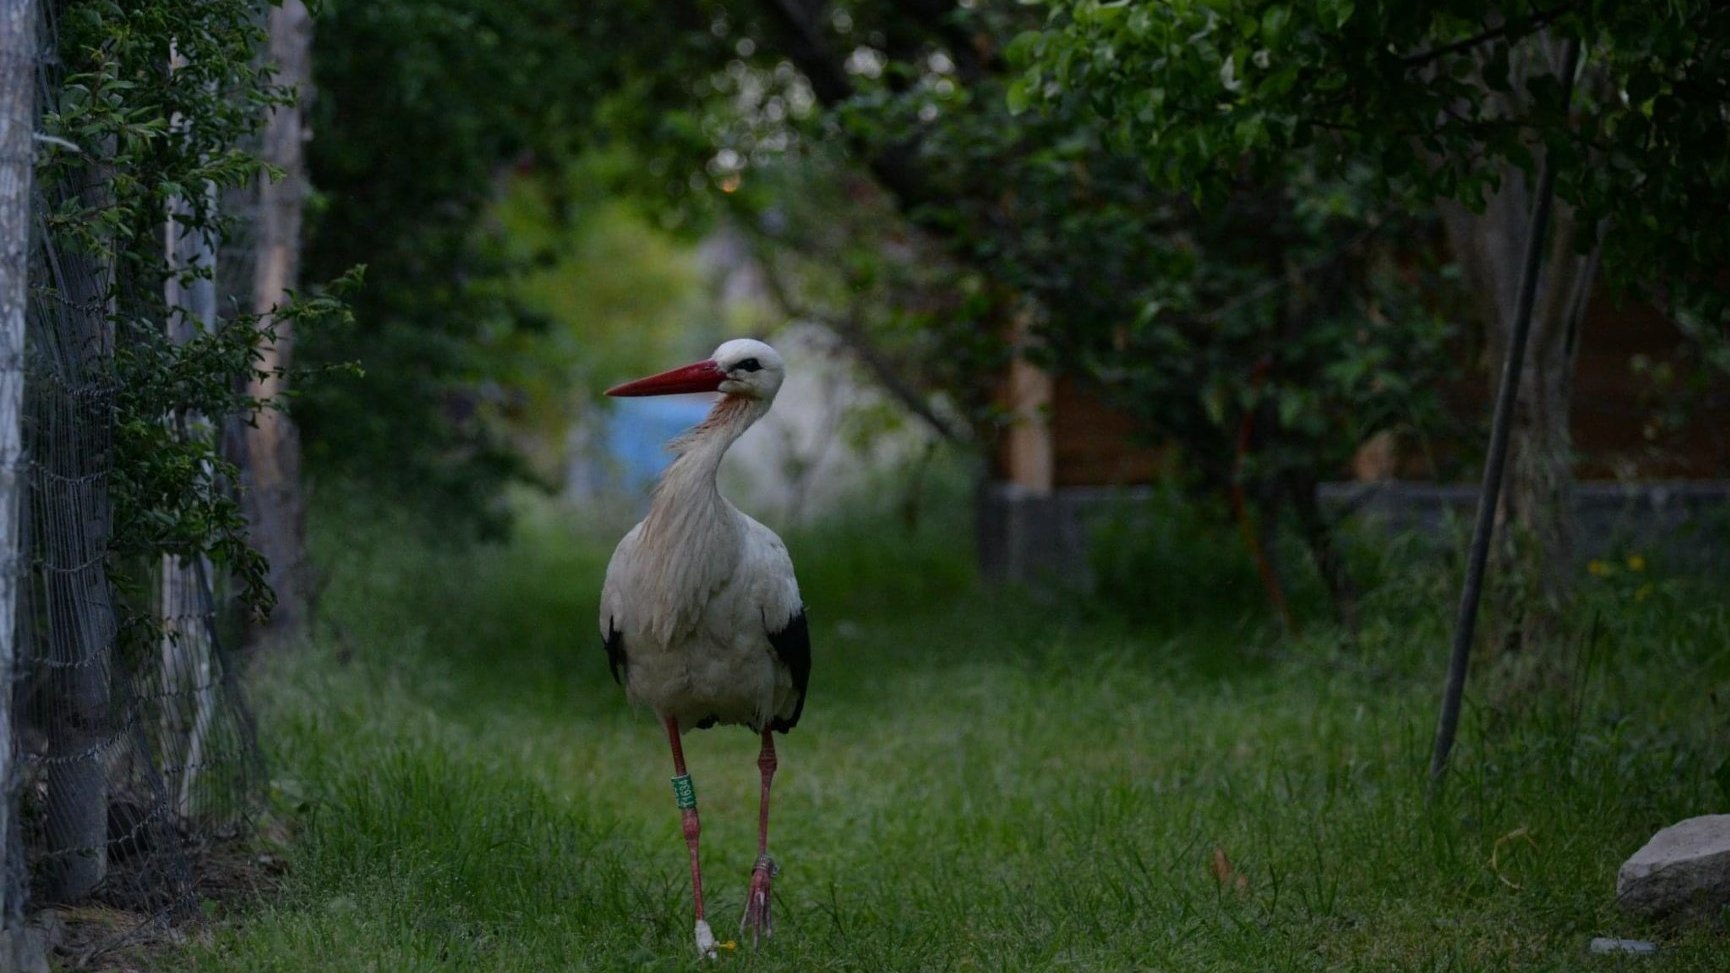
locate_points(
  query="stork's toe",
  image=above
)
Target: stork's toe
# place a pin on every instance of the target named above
(757, 921)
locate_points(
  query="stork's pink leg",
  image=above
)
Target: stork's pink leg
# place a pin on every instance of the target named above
(693, 828)
(757, 921)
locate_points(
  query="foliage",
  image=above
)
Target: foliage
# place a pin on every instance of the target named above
(428, 113)
(118, 158)
(1307, 262)
(1431, 98)
(1172, 308)
(1293, 297)
(835, 251)
(1192, 554)
(615, 296)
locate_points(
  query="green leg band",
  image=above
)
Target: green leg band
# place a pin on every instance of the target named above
(684, 794)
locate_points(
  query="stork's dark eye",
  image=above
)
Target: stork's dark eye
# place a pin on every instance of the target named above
(749, 365)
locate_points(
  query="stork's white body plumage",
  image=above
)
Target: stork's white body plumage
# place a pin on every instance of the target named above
(700, 614)
(701, 652)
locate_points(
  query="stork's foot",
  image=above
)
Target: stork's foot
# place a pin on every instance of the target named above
(706, 945)
(757, 922)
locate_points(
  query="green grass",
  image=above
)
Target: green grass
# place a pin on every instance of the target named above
(983, 780)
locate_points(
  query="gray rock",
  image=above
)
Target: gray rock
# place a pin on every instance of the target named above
(1682, 873)
(1604, 944)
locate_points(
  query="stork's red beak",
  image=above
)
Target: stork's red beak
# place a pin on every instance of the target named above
(703, 376)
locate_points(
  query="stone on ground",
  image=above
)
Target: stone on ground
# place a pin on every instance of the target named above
(1605, 944)
(1682, 873)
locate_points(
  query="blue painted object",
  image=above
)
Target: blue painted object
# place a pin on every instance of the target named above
(638, 431)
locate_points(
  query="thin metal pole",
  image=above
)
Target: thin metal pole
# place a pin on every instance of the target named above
(1495, 460)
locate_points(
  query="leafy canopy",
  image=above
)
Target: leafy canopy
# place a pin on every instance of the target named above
(1434, 99)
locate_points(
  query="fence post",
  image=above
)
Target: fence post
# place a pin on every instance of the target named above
(71, 435)
(189, 696)
(17, 123)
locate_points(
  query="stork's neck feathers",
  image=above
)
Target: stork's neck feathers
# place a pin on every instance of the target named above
(688, 485)
(692, 535)
(706, 442)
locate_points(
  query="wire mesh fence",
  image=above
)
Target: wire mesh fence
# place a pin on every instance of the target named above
(135, 752)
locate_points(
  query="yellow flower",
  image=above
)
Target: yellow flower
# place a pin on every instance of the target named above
(1636, 562)
(1599, 569)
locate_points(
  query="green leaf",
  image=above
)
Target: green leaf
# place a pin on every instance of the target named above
(1335, 13)
(1273, 22)
(1025, 46)
(1102, 14)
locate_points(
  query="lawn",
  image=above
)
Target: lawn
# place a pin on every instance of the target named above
(984, 780)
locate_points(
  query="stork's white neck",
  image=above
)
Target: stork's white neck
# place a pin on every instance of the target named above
(690, 480)
(692, 535)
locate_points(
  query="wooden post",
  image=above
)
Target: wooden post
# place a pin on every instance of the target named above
(1028, 454)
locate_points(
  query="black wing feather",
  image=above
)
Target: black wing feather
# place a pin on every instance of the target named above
(614, 643)
(792, 645)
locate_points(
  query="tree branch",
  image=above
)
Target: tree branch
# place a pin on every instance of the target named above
(893, 165)
(852, 335)
(1266, 287)
(1522, 25)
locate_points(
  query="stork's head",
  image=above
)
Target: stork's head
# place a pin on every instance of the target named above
(744, 367)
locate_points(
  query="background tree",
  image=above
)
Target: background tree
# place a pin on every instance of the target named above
(1169, 307)
(428, 112)
(1449, 101)
(270, 443)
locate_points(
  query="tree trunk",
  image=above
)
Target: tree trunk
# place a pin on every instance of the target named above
(1300, 487)
(1537, 503)
(1535, 514)
(270, 460)
(1261, 495)
(17, 122)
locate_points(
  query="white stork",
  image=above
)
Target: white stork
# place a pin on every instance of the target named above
(700, 613)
